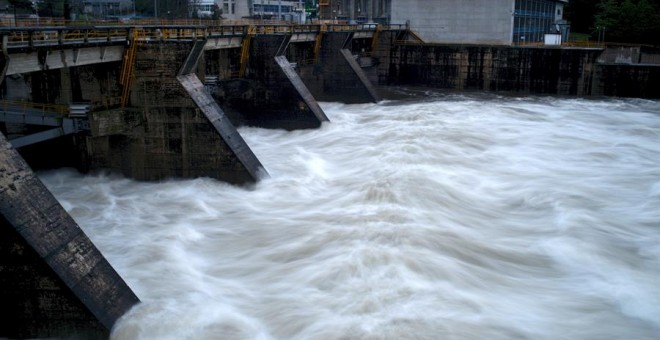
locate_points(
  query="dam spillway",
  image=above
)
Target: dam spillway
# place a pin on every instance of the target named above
(169, 102)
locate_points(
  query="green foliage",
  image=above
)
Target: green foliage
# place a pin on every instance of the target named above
(581, 13)
(632, 21)
(50, 8)
(21, 5)
(579, 37)
(217, 12)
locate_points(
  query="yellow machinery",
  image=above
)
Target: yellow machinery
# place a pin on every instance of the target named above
(245, 49)
(128, 67)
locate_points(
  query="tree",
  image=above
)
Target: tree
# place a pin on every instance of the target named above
(631, 21)
(581, 13)
(21, 6)
(217, 12)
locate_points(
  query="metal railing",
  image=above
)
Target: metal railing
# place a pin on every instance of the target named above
(25, 107)
(44, 32)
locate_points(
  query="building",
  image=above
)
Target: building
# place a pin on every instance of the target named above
(357, 11)
(501, 22)
(288, 10)
(532, 19)
(108, 8)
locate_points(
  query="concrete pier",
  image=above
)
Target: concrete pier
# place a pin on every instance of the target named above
(494, 68)
(164, 132)
(53, 281)
(269, 95)
(335, 76)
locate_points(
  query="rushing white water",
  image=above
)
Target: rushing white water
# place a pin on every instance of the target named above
(439, 217)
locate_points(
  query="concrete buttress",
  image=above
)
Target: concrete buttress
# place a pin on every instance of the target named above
(164, 132)
(269, 95)
(54, 281)
(336, 76)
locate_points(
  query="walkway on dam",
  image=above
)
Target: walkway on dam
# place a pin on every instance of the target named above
(53, 120)
(101, 33)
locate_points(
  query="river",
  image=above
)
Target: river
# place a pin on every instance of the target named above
(437, 216)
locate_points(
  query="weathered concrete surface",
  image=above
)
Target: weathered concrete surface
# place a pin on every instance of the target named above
(627, 80)
(494, 68)
(458, 21)
(223, 126)
(352, 63)
(190, 64)
(266, 96)
(300, 87)
(50, 59)
(163, 134)
(332, 78)
(4, 63)
(54, 281)
(384, 48)
(216, 43)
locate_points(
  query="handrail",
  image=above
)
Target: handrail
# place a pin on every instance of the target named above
(51, 34)
(25, 106)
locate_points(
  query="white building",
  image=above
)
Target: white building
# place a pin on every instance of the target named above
(498, 22)
(202, 8)
(108, 8)
(458, 21)
(290, 10)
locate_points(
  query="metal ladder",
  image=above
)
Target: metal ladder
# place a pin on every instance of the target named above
(128, 67)
(245, 50)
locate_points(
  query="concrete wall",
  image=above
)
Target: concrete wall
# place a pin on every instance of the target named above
(35, 300)
(332, 78)
(494, 68)
(458, 21)
(163, 134)
(53, 281)
(266, 96)
(45, 59)
(627, 80)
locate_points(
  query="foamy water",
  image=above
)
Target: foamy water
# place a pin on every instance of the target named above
(440, 217)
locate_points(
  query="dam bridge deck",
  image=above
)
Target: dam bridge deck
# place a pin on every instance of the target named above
(20, 38)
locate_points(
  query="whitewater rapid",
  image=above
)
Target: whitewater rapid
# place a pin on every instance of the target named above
(435, 217)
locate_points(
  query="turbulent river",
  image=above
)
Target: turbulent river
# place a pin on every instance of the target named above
(435, 217)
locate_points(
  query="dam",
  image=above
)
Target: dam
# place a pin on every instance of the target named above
(158, 102)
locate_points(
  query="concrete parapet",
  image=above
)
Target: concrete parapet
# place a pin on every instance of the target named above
(53, 279)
